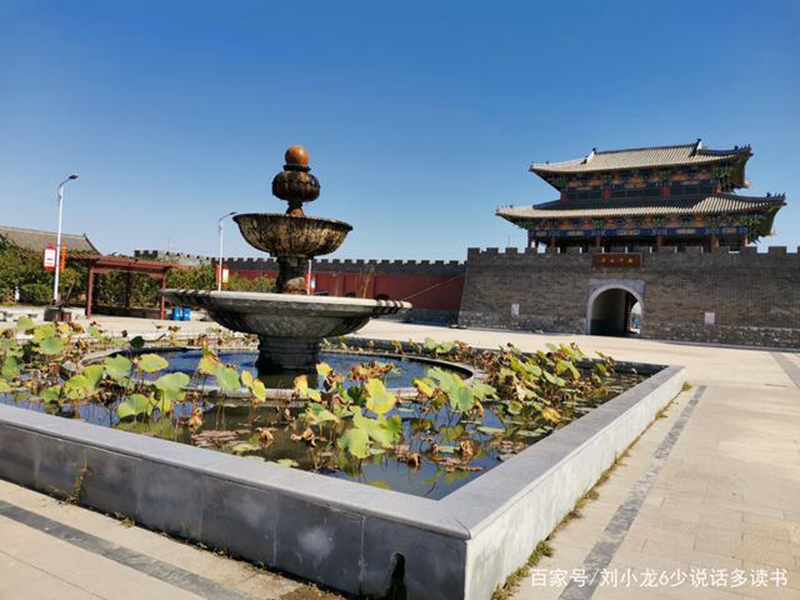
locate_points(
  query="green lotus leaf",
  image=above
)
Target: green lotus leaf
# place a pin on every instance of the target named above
(209, 365)
(96, 333)
(78, 387)
(11, 367)
(228, 379)
(462, 399)
(25, 324)
(151, 363)
(51, 346)
(374, 428)
(319, 414)
(394, 425)
(172, 382)
(514, 407)
(259, 390)
(42, 332)
(247, 378)
(117, 367)
(379, 399)
(245, 447)
(565, 365)
(356, 442)
(134, 406)
(491, 430)
(93, 374)
(52, 394)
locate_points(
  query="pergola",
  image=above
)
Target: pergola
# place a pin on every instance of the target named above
(110, 264)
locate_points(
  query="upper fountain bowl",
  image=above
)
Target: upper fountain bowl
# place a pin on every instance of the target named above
(289, 235)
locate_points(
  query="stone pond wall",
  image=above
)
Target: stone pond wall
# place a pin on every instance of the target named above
(754, 297)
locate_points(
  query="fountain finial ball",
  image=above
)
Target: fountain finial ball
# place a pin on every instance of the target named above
(297, 155)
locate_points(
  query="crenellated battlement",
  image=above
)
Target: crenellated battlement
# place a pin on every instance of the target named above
(691, 253)
(410, 267)
(359, 265)
(181, 258)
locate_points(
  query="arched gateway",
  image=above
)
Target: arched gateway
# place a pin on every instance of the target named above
(610, 308)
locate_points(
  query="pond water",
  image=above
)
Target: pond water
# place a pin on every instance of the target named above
(230, 425)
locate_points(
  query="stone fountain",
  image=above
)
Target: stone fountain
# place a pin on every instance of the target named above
(290, 324)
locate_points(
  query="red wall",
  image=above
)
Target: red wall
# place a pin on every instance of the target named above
(436, 292)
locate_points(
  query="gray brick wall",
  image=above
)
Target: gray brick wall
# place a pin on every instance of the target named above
(755, 296)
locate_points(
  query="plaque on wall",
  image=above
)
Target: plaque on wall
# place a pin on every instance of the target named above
(617, 259)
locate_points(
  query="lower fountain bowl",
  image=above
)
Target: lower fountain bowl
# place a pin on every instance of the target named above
(290, 327)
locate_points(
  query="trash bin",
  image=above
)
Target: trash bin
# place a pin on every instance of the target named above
(187, 313)
(177, 313)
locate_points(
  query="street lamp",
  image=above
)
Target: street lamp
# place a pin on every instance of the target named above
(58, 236)
(219, 265)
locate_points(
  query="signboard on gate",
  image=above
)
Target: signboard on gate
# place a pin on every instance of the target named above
(49, 258)
(225, 273)
(617, 259)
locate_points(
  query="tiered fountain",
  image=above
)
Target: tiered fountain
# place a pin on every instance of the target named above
(290, 324)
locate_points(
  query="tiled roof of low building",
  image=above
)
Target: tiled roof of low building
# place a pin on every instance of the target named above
(643, 207)
(36, 240)
(638, 158)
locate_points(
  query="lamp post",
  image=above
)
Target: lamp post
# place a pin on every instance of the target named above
(58, 235)
(219, 265)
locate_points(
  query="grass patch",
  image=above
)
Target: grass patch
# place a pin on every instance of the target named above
(512, 582)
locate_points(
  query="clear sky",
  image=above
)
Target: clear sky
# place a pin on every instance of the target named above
(421, 117)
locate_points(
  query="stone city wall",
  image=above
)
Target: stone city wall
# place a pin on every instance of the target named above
(750, 297)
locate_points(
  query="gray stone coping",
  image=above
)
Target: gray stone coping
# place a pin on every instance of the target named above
(267, 301)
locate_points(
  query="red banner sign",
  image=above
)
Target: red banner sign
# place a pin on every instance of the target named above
(49, 258)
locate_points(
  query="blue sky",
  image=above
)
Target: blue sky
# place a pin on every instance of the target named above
(421, 117)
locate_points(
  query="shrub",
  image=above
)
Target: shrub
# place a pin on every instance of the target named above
(35, 293)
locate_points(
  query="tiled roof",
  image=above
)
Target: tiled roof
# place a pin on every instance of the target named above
(636, 158)
(714, 204)
(33, 239)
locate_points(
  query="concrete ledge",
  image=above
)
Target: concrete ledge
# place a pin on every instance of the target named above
(343, 534)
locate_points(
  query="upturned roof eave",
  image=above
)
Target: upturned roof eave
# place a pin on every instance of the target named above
(766, 204)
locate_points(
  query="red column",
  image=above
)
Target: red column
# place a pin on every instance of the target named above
(128, 286)
(162, 308)
(658, 243)
(89, 293)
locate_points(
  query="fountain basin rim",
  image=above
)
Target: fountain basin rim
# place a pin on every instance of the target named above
(472, 374)
(228, 300)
